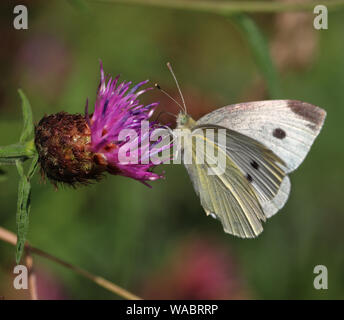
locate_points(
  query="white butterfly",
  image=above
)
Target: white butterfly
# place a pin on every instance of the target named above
(265, 141)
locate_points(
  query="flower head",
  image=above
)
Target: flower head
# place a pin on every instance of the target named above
(76, 149)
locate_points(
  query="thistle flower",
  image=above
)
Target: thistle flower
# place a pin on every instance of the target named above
(78, 149)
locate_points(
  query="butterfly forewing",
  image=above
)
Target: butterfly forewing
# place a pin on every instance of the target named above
(287, 127)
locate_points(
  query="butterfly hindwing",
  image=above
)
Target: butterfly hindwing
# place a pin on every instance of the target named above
(262, 169)
(271, 207)
(228, 192)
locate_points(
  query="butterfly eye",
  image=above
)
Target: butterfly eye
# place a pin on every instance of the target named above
(183, 119)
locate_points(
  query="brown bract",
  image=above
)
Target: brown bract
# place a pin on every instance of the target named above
(63, 142)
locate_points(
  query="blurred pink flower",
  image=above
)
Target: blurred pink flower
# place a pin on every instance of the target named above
(202, 269)
(43, 63)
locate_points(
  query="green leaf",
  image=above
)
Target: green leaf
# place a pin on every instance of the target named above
(28, 128)
(23, 205)
(23, 208)
(15, 151)
(260, 50)
(18, 151)
(25, 149)
(5, 161)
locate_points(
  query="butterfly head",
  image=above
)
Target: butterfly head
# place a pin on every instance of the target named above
(184, 121)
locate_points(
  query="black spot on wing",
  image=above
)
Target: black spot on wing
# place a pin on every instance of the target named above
(249, 178)
(254, 165)
(279, 133)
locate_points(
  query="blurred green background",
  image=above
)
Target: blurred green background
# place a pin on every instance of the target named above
(158, 242)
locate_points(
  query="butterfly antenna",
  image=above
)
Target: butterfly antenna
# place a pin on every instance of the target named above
(168, 95)
(175, 80)
(165, 112)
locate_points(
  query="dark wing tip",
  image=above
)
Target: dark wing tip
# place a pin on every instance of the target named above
(309, 112)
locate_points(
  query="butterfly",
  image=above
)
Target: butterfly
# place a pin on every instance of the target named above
(265, 141)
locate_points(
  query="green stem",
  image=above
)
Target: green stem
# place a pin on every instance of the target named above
(260, 49)
(232, 7)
